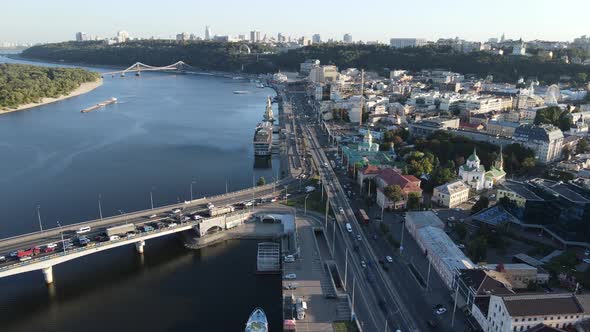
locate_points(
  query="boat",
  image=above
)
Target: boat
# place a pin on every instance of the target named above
(257, 321)
(99, 105)
(241, 92)
(238, 78)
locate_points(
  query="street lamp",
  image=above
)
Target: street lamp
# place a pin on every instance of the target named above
(99, 207)
(192, 190)
(305, 204)
(39, 217)
(152, 197)
(63, 243)
(286, 193)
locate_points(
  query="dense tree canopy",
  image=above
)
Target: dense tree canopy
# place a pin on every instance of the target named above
(555, 116)
(23, 84)
(226, 56)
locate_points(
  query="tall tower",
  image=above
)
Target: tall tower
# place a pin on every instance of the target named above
(499, 162)
(208, 35)
(362, 96)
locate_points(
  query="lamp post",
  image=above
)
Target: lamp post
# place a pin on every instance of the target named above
(152, 198)
(192, 182)
(39, 217)
(99, 207)
(305, 204)
(63, 243)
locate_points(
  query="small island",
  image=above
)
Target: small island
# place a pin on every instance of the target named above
(26, 86)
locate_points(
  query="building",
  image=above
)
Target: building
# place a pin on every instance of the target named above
(316, 39)
(409, 184)
(475, 175)
(545, 140)
(451, 194)
(367, 144)
(444, 256)
(519, 275)
(254, 36)
(501, 128)
(122, 36)
(82, 36)
(322, 74)
(306, 67)
(208, 34)
(427, 127)
(184, 36)
(347, 38)
(407, 42)
(521, 312)
(416, 220)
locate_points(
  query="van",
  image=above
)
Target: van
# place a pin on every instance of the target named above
(348, 228)
(114, 238)
(83, 230)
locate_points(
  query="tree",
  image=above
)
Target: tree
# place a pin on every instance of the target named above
(413, 201)
(394, 193)
(477, 249)
(583, 146)
(482, 203)
(461, 231)
(261, 181)
(442, 176)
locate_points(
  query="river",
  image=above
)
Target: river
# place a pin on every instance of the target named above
(166, 132)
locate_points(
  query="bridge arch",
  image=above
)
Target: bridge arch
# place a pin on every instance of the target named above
(244, 48)
(213, 230)
(269, 219)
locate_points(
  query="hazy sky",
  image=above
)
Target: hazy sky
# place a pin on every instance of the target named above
(57, 20)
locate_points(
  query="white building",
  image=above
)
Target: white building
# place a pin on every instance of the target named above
(417, 220)
(521, 312)
(316, 39)
(254, 36)
(323, 74)
(545, 140)
(407, 42)
(451, 194)
(475, 175)
(446, 259)
(122, 36)
(347, 38)
(208, 34)
(305, 67)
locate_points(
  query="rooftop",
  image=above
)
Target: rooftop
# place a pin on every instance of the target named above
(482, 283)
(560, 188)
(521, 189)
(542, 304)
(452, 187)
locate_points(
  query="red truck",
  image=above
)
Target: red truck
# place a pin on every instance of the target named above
(24, 253)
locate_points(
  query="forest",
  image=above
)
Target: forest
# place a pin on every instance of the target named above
(23, 84)
(223, 56)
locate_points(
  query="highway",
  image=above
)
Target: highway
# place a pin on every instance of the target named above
(377, 304)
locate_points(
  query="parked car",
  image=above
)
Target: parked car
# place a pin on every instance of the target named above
(289, 259)
(358, 237)
(586, 260)
(363, 264)
(176, 211)
(441, 311)
(389, 259)
(290, 276)
(153, 216)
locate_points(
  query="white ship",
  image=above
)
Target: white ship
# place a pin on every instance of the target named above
(257, 321)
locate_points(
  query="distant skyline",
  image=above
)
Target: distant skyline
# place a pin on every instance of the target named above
(59, 20)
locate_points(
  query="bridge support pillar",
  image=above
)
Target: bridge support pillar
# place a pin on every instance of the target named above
(139, 246)
(48, 274)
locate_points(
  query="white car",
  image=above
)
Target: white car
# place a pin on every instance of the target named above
(341, 210)
(210, 205)
(176, 211)
(389, 259)
(172, 224)
(451, 219)
(290, 276)
(51, 245)
(83, 230)
(289, 259)
(460, 246)
(197, 217)
(586, 260)
(153, 216)
(363, 264)
(441, 311)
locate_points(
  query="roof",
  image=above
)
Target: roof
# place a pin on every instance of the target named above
(495, 172)
(521, 189)
(542, 304)
(408, 183)
(544, 328)
(473, 156)
(483, 284)
(440, 246)
(371, 169)
(452, 187)
(420, 219)
(494, 216)
(540, 133)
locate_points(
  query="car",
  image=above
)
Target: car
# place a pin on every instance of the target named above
(176, 211)
(197, 217)
(24, 258)
(210, 205)
(460, 246)
(289, 259)
(389, 259)
(2, 259)
(355, 248)
(363, 264)
(172, 224)
(348, 228)
(441, 310)
(587, 252)
(290, 276)
(83, 230)
(586, 260)
(114, 238)
(153, 216)
(382, 305)
(131, 234)
(274, 199)
(358, 237)
(341, 210)
(492, 196)
(51, 245)
(13, 254)
(291, 285)
(451, 219)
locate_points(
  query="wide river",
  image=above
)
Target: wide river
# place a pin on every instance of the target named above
(166, 132)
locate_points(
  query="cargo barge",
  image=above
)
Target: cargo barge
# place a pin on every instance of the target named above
(99, 105)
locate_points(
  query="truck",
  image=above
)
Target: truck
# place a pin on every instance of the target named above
(300, 307)
(217, 211)
(23, 253)
(121, 229)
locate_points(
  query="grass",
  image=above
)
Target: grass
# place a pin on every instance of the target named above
(344, 326)
(314, 202)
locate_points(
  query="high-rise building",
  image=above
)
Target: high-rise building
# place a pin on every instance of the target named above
(316, 39)
(184, 36)
(254, 36)
(281, 38)
(347, 38)
(407, 42)
(208, 35)
(122, 36)
(82, 36)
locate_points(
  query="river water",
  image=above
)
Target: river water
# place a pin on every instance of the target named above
(166, 132)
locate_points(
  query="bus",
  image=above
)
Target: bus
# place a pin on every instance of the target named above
(363, 217)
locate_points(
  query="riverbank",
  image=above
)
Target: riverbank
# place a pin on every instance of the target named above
(82, 89)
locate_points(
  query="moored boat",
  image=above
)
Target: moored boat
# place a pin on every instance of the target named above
(257, 321)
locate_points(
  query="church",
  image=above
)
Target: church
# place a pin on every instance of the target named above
(367, 145)
(475, 175)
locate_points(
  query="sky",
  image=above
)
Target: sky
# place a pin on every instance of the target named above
(477, 20)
